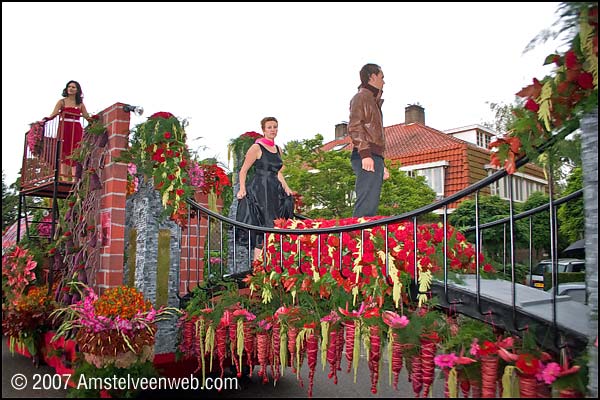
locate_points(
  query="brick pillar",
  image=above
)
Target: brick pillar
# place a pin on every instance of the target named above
(112, 203)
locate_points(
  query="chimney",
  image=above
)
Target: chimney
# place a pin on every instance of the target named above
(341, 130)
(414, 113)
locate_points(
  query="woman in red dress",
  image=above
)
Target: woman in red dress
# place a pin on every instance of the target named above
(70, 130)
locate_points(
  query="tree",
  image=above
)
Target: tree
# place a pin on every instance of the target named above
(491, 208)
(10, 203)
(571, 215)
(402, 193)
(325, 180)
(540, 221)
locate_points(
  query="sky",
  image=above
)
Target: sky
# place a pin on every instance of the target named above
(225, 66)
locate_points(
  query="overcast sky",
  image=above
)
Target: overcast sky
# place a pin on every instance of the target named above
(226, 66)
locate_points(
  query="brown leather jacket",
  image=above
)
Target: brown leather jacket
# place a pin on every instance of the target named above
(365, 126)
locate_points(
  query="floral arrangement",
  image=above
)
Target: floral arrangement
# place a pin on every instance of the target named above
(18, 272)
(117, 326)
(239, 146)
(332, 303)
(212, 178)
(28, 317)
(363, 272)
(559, 100)
(34, 137)
(158, 150)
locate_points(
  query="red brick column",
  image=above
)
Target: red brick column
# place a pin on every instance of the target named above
(112, 203)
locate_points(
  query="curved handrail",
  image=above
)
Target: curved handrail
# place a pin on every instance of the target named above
(496, 176)
(525, 214)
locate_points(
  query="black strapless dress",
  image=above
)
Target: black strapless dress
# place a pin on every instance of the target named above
(265, 198)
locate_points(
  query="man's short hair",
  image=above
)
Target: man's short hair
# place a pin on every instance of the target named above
(366, 71)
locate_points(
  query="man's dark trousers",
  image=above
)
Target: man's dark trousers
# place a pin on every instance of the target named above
(368, 186)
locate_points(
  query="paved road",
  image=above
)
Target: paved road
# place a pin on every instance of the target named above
(16, 367)
(288, 386)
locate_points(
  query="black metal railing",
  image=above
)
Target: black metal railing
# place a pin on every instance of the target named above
(475, 303)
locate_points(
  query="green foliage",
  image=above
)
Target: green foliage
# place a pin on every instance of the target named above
(326, 181)
(491, 208)
(571, 215)
(503, 117)
(10, 203)
(563, 277)
(578, 380)
(469, 329)
(402, 193)
(540, 221)
(521, 270)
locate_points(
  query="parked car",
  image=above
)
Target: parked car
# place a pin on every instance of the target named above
(564, 265)
(576, 290)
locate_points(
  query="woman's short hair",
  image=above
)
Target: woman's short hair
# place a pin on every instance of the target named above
(264, 121)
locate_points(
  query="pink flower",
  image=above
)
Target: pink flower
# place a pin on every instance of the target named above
(394, 320)
(265, 325)
(332, 317)
(244, 313)
(132, 169)
(474, 351)
(549, 373)
(445, 360)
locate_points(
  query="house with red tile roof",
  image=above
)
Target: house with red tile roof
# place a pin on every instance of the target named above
(450, 160)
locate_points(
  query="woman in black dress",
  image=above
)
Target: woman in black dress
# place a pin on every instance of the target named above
(263, 200)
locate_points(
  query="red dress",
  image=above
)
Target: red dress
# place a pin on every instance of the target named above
(72, 132)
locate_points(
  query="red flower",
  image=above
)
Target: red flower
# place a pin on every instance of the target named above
(585, 80)
(161, 114)
(528, 364)
(180, 192)
(372, 313)
(488, 348)
(254, 135)
(571, 59)
(488, 268)
(168, 135)
(531, 105)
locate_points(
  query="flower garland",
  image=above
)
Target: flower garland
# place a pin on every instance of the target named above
(557, 101)
(158, 149)
(363, 272)
(34, 137)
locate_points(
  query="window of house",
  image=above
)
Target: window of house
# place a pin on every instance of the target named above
(434, 178)
(483, 139)
(434, 173)
(522, 187)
